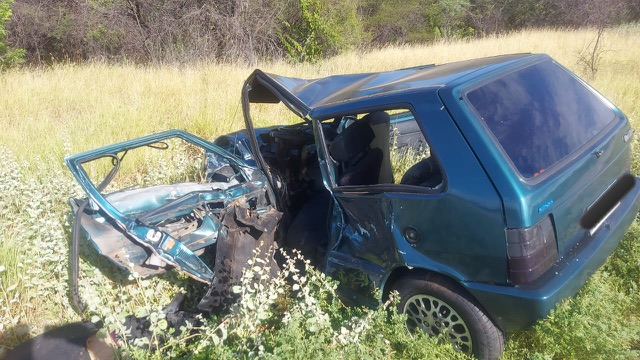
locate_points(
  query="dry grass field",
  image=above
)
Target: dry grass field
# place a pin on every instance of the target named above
(72, 108)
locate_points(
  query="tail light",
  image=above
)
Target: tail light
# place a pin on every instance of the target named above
(531, 251)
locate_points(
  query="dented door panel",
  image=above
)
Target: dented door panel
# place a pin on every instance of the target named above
(366, 250)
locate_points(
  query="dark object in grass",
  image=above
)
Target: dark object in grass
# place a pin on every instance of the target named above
(66, 342)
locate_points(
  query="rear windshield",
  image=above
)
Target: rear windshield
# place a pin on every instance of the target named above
(539, 115)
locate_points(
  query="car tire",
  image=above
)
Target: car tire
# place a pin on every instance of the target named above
(440, 306)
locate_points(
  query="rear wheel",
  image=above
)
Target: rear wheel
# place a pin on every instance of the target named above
(441, 307)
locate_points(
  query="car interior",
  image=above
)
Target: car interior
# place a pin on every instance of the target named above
(365, 149)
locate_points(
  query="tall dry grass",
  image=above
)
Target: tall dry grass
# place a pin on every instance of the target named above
(71, 108)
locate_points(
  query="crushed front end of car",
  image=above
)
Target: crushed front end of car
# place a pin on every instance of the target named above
(160, 201)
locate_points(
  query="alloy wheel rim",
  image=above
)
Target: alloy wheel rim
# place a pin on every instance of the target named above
(437, 318)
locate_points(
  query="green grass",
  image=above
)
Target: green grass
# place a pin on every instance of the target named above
(47, 113)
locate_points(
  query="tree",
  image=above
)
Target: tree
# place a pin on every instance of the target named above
(8, 56)
(398, 21)
(49, 30)
(316, 29)
(449, 17)
(148, 30)
(600, 14)
(415, 21)
(487, 16)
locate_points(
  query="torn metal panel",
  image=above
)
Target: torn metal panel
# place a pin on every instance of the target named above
(192, 221)
(114, 243)
(248, 234)
(167, 225)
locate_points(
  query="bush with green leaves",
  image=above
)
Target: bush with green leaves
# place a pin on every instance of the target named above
(319, 29)
(8, 57)
(297, 315)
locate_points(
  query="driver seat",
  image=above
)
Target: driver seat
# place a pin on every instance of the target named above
(360, 163)
(380, 122)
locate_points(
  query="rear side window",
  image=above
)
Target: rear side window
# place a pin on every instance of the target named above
(539, 115)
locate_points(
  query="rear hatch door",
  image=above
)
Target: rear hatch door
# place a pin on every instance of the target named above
(550, 143)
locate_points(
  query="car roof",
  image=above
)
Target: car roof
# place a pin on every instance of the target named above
(307, 96)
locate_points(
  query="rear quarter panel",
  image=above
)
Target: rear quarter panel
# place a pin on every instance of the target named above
(463, 225)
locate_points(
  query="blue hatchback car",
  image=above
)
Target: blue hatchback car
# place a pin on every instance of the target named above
(482, 191)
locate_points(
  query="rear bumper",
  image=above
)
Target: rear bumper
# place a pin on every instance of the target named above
(516, 307)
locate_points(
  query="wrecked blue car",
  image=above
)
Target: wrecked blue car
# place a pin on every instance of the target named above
(483, 192)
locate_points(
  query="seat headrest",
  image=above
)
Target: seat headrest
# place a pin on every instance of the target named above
(352, 141)
(377, 117)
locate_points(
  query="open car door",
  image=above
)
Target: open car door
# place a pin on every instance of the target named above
(160, 201)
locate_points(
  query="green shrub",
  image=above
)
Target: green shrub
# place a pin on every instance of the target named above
(8, 57)
(33, 250)
(624, 264)
(297, 315)
(320, 29)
